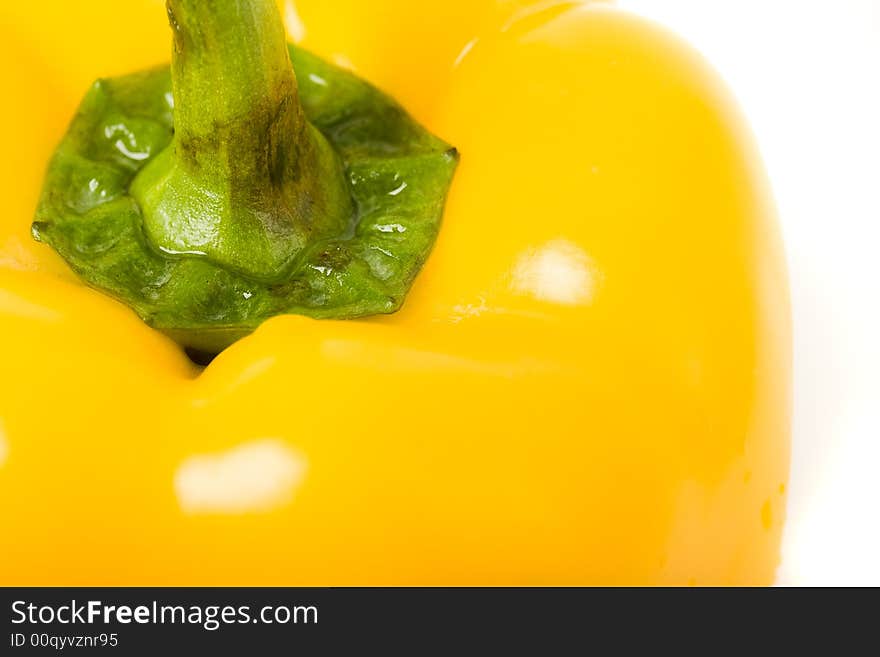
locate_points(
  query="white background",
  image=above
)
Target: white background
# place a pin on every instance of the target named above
(807, 74)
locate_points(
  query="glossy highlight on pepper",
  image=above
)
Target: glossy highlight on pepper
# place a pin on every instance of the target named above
(588, 383)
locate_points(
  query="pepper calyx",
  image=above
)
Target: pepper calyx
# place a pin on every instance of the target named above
(243, 183)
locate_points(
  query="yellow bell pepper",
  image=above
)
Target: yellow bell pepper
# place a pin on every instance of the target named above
(589, 382)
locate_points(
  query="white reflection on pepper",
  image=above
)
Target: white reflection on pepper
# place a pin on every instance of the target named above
(293, 23)
(4, 447)
(557, 272)
(255, 476)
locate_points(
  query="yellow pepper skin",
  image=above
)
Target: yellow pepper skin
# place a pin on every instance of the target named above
(588, 384)
(422, 45)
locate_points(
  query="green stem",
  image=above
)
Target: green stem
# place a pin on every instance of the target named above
(234, 86)
(247, 182)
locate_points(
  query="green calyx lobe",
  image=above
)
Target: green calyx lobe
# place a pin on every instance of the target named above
(251, 179)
